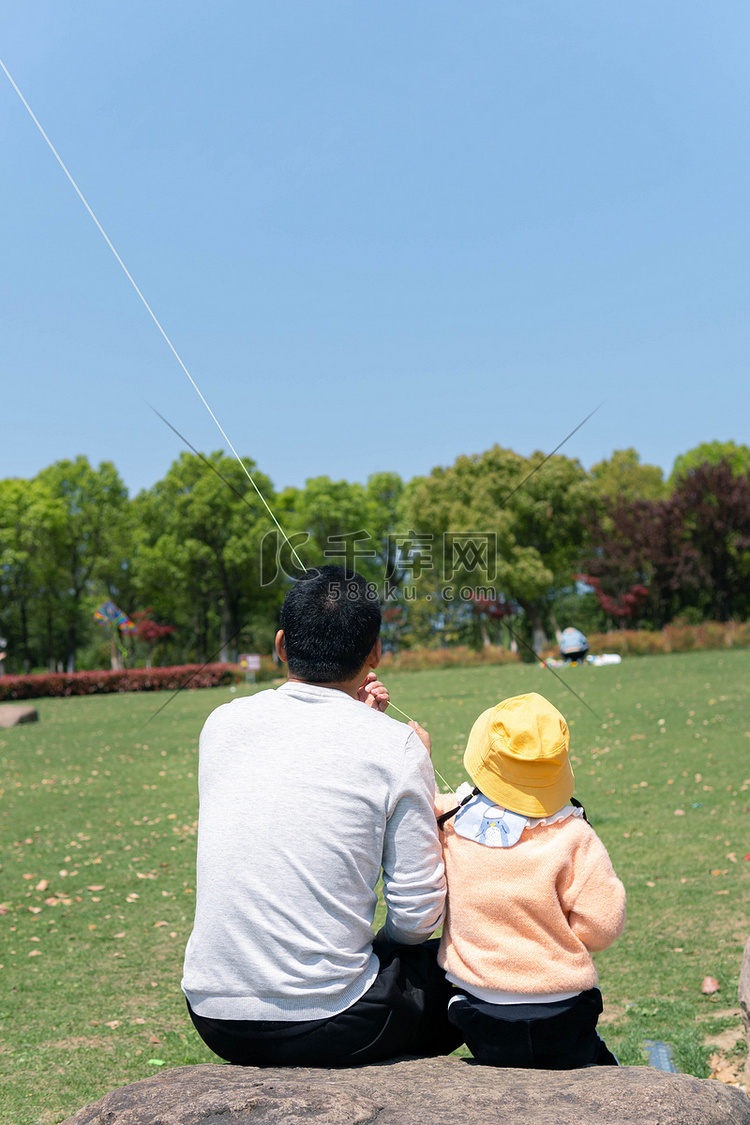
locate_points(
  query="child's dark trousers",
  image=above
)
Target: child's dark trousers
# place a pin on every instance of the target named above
(557, 1036)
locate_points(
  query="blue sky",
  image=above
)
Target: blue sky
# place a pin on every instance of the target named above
(379, 234)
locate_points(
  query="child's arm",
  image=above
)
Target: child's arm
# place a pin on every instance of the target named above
(423, 735)
(597, 913)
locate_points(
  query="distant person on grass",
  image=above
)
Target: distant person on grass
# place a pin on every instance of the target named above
(531, 893)
(307, 792)
(574, 646)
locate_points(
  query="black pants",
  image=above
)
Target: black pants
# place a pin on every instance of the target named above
(557, 1036)
(403, 1012)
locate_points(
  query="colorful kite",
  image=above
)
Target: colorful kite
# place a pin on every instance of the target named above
(109, 614)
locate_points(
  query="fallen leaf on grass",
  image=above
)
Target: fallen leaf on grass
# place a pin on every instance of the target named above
(121, 934)
(112, 1023)
(710, 984)
(42, 885)
(96, 887)
(156, 924)
(154, 1040)
(679, 812)
(35, 953)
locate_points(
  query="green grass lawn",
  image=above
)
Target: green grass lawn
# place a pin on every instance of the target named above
(97, 831)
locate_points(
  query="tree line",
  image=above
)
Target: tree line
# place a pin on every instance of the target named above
(494, 549)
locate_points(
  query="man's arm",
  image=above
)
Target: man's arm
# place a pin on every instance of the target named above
(413, 872)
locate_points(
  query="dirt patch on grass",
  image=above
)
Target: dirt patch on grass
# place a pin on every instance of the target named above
(612, 1013)
(728, 1049)
(726, 1040)
(77, 1042)
(721, 1014)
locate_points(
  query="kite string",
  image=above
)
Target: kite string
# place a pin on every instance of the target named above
(150, 311)
(435, 770)
(177, 356)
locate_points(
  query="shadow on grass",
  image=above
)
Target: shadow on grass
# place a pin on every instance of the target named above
(671, 1021)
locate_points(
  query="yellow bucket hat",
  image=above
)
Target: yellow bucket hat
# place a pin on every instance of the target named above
(517, 755)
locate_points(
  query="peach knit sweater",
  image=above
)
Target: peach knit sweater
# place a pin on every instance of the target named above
(524, 919)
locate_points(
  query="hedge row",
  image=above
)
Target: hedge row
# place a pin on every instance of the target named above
(626, 642)
(134, 679)
(459, 656)
(673, 638)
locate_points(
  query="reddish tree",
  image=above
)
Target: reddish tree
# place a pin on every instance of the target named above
(690, 552)
(150, 632)
(712, 505)
(622, 607)
(495, 608)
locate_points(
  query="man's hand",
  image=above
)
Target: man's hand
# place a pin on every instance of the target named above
(372, 693)
(423, 735)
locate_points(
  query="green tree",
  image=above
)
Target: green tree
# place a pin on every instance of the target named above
(26, 508)
(345, 524)
(712, 453)
(80, 544)
(197, 559)
(624, 476)
(533, 507)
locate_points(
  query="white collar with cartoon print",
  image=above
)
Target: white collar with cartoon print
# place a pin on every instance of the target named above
(484, 822)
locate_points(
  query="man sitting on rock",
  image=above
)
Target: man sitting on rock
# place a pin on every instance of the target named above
(306, 793)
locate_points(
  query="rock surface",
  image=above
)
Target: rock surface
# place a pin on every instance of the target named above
(442, 1091)
(11, 714)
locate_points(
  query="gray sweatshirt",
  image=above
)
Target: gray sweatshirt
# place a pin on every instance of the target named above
(304, 794)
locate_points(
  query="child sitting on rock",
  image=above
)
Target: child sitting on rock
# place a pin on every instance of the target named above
(531, 894)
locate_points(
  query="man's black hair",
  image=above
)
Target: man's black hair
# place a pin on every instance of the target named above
(331, 620)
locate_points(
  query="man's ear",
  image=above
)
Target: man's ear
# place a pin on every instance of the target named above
(376, 653)
(280, 645)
